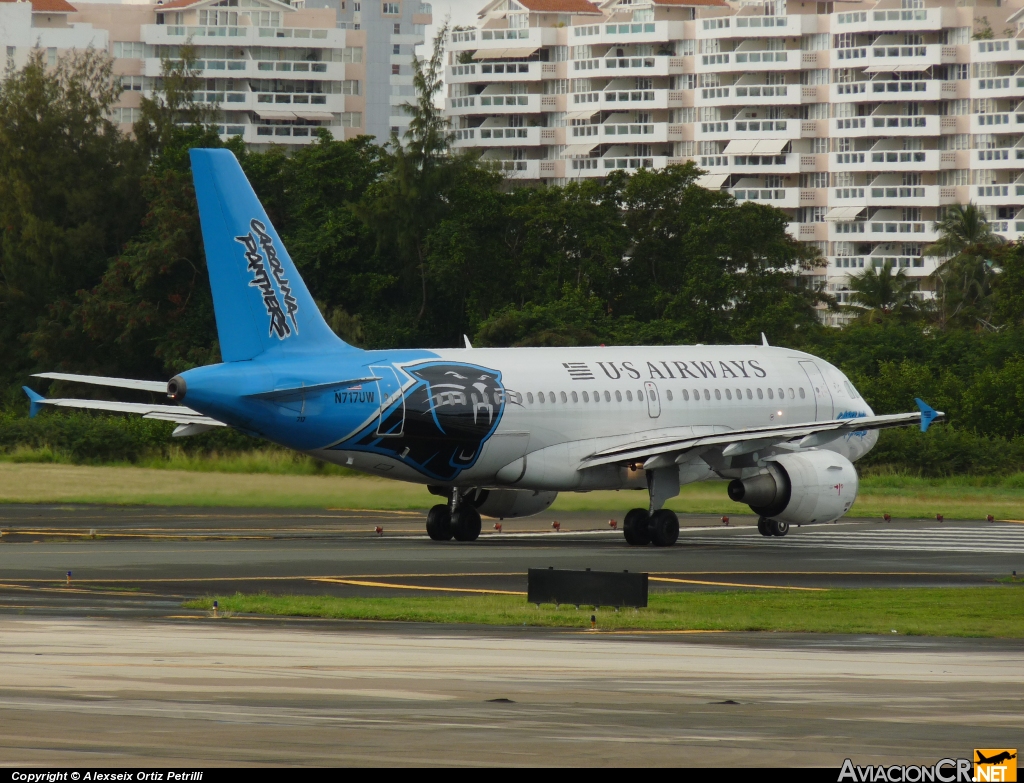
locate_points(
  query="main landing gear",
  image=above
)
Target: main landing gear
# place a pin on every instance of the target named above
(772, 527)
(457, 519)
(642, 527)
(659, 526)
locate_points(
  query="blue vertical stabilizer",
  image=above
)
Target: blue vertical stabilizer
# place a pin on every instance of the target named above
(260, 302)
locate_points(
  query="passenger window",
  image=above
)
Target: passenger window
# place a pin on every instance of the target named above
(618, 395)
(792, 396)
(640, 396)
(540, 397)
(770, 395)
(564, 398)
(707, 395)
(586, 397)
(608, 396)
(782, 394)
(760, 396)
(668, 393)
(739, 394)
(575, 397)
(629, 396)
(718, 394)
(802, 393)
(749, 395)
(686, 396)
(529, 397)
(551, 397)
(728, 394)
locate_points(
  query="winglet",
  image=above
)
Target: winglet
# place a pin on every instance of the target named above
(764, 340)
(35, 401)
(468, 343)
(928, 414)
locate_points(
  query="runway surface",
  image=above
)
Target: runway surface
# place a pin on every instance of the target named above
(107, 668)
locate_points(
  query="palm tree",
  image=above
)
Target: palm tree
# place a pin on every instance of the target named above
(877, 292)
(963, 280)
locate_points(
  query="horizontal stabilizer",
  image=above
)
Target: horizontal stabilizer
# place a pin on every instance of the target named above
(292, 391)
(159, 387)
(176, 413)
(928, 414)
(35, 401)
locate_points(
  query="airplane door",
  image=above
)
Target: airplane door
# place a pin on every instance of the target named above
(653, 400)
(391, 423)
(823, 405)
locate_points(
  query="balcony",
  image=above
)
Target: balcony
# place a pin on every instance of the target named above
(999, 51)
(628, 133)
(903, 20)
(772, 60)
(1005, 87)
(851, 91)
(492, 40)
(1012, 158)
(498, 137)
(895, 231)
(784, 198)
(769, 94)
(922, 90)
(622, 67)
(923, 56)
(502, 72)
(794, 25)
(902, 160)
(494, 104)
(640, 99)
(765, 164)
(1000, 122)
(768, 129)
(885, 125)
(997, 194)
(903, 195)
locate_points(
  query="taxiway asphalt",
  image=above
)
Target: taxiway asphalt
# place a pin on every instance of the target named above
(110, 670)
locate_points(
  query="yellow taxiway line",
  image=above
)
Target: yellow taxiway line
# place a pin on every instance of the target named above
(733, 584)
(365, 583)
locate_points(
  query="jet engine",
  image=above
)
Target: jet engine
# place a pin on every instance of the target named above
(815, 486)
(513, 503)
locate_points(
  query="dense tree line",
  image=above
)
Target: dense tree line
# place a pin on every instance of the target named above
(412, 245)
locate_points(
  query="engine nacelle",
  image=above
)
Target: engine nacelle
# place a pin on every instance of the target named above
(815, 486)
(511, 503)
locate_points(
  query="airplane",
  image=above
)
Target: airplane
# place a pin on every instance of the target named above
(501, 431)
(996, 759)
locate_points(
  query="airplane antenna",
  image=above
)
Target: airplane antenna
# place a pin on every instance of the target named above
(468, 343)
(764, 340)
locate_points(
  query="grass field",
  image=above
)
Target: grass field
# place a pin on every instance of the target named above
(971, 611)
(34, 482)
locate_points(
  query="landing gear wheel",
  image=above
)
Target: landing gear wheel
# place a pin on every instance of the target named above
(439, 523)
(636, 527)
(663, 528)
(764, 526)
(466, 523)
(779, 528)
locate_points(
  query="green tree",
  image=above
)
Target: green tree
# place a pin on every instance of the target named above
(1008, 287)
(880, 291)
(68, 191)
(963, 280)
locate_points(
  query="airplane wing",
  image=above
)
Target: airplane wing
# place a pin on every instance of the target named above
(655, 452)
(191, 422)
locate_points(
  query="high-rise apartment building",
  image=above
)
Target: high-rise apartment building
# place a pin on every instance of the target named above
(277, 70)
(862, 120)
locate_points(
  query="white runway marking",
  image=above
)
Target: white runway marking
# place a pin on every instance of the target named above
(998, 539)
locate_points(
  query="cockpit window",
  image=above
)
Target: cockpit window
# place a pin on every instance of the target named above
(852, 391)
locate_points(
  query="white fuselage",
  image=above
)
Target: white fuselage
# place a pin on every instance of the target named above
(568, 403)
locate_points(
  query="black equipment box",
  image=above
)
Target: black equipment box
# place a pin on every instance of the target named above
(586, 588)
